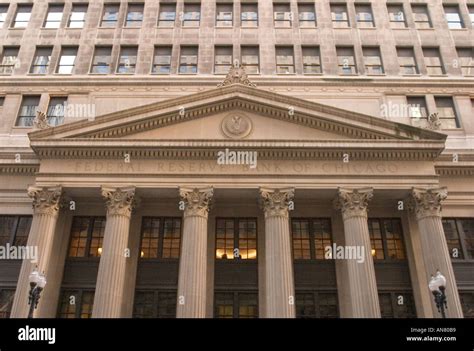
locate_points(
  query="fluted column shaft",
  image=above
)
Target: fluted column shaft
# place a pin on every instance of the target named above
(279, 279)
(427, 206)
(193, 262)
(46, 207)
(111, 277)
(362, 285)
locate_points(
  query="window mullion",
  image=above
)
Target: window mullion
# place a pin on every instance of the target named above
(384, 238)
(89, 236)
(312, 248)
(161, 234)
(14, 229)
(461, 238)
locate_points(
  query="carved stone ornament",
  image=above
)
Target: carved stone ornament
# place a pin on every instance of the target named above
(434, 122)
(41, 120)
(427, 202)
(236, 126)
(119, 201)
(353, 202)
(275, 202)
(196, 201)
(236, 75)
(46, 200)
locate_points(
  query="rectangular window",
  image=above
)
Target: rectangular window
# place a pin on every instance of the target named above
(110, 16)
(82, 306)
(6, 302)
(421, 16)
(396, 16)
(453, 240)
(390, 306)
(3, 14)
(14, 230)
(467, 303)
(466, 60)
(417, 107)
(22, 17)
(307, 15)
(446, 112)
(161, 237)
(56, 109)
(407, 61)
(87, 235)
(373, 61)
(386, 239)
(235, 304)
(222, 59)
(471, 14)
(285, 60)
(188, 60)
(282, 15)
(28, 109)
(236, 238)
(77, 19)
(339, 16)
(346, 60)
(433, 62)
(314, 304)
(224, 15)
(310, 238)
(162, 60)
(250, 59)
(2, 101)
(134, 15)
(453, 17)
(9, 59)
(155, 304)
(167, 15)
(127, 60)
(67, 60)
(311, 60)
(54, 16)
(192, 15)
(102, 60)
(460, 237)
(41, 60)
(364, 15)
(249, 15)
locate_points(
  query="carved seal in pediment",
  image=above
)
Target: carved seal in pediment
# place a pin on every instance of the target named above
(236, 126)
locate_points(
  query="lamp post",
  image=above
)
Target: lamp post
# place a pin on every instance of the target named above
(437, 286)
(37, 284)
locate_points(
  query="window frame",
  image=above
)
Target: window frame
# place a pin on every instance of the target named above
(132, 66)
(30, 118)
(90, 230)
(320, 65)
(17, 11)
(460, 21)
(426, 11)
(381, 65)
(216, 64)
(308, 23)
(470, 66)
(61, 54)
(461, 238)
(47, 21)
(169, 22)
(365, 21)
(46, 66)
(103, 19)
(337, 5)
(236, 239)
(316, 299)
(156, 302)
(161, 237)
(393, 298)
(257, 65)
(383, 236)
(221, 23)
(11, 67)
(11, 292)
(292, 67)
(4, 8)
(340, 67)
(14, 230)
(128, 21)
(429, 66)
(236, 294)
(70, 20)
(155, 65)
(248, 21)
(455, 110)
(109, 65)
(79, 302)
(191, 22)
(394, 22)
(59, 119)
(402, 67)
(311, 237)
(287, 21)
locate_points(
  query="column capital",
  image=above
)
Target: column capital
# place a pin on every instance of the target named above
(46, 200)
(353, 202)
(275, 202)
(119, 201)
(426, 202)
(196, 200)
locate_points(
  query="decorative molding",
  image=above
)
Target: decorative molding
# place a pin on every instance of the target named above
(41, 120)
(434, 123)
(24, 170)
(275, 202)
(455, 171)
(197, 201)
(119, 201)
(426, 202)
(46, 200)
(353, 202)
(236, 75)
(236, 125)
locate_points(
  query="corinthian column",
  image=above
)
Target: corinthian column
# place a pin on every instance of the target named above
(45, 214)
(427, 206)
(193, 262)
(361, 285)
(279, 280)
(111, 277)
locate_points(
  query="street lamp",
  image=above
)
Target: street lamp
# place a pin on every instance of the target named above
(37, 283)
(437, 286)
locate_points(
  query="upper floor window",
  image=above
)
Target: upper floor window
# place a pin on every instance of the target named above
(386, 239)
(235, 304)
(134, 15)
(282, 15)
(77, 19)
(372, 61)
(154, 304)
(9, 59)
(453, 17)
(167, 15)
(67, 60)
(76, 304)
(54, 16)
(3, 14)
(396, 15)
(127, 59)
(28, 109)
(446, 112)
(87, 235)
(467, 303)
(236, 238)
(110, 16)
(2, 101)
(471, 14)
(466, 60)
(250, 59)
(188, 60)
(397, 305)
(14, 230)
(285, 60)
(162, 60)
(22, 17)
(192, 15)
(6, 302)
(311, 60)
(417, 107)
(346, 60)
(407, 61)
(41, 60)
(101, 60)
(224, 15)
(339, 16)
(56, 110)
(161, 237)
(421, 16)
(223, 59)
(433, 62)
(249, 15)
(310, 238)
(364, 15)
(314, 304)
(306, 15)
